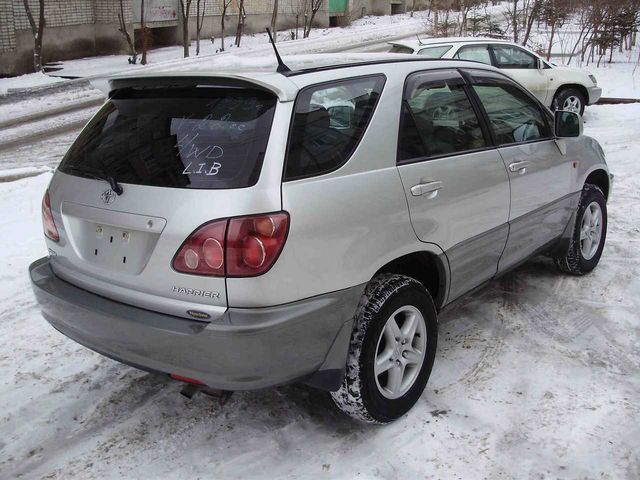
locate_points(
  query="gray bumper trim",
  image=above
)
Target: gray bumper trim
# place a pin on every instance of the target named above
(245, 349)
(595, 93)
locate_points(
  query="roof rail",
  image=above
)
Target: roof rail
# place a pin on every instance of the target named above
(293, 73)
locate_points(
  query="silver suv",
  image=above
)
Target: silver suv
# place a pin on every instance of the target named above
(243, 231)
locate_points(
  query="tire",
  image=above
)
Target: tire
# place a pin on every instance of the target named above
(362, 394)
(570, 96)
(580, 260)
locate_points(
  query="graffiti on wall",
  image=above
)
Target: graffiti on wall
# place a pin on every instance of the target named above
(156, 10)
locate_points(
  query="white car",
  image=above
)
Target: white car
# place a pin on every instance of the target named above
(557, 87)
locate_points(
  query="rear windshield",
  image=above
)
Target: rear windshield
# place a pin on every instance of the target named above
(400, 49)
(204, 137)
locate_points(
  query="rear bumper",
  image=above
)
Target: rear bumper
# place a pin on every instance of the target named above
(595, 93)
(245, 349)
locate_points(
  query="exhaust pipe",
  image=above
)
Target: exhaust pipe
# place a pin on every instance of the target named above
(191, 389)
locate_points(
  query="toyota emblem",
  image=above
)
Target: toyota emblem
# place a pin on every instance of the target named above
(108, 196)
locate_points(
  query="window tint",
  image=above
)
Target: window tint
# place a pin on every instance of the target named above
(329, 121)
(435, 52)
(508, 56)
(514, 116)
(475, 53)
(177, 137)
(437, 119)
(400, 49)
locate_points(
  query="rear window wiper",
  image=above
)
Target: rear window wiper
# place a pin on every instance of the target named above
(98, 175)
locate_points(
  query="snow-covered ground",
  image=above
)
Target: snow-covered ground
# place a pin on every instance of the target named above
(536, 376)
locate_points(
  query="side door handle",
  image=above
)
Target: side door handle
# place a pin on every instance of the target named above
(520, 167)
(423, 188)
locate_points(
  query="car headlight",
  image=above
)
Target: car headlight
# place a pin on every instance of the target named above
(593, 79)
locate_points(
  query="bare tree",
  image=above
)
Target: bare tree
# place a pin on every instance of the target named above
(514, 20)
(199, 22)
(144, 33)
(225, 6)
(37, 31)
(274, 20)
(125, 33)
(185, 7)
(315, 5)
(555, 14)
(530, 14)
(242, 15)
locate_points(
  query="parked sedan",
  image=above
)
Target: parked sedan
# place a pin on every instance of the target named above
(559, 88)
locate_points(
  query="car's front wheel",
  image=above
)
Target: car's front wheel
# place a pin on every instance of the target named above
(589, 233)
(570, 99)
(392, 350)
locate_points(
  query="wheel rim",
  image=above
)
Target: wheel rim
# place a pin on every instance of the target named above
(400, 352)
(591, 230)
(572, 104)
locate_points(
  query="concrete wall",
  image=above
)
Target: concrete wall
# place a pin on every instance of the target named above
(77, 28)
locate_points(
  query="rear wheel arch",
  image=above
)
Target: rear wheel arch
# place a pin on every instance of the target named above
(427, 268)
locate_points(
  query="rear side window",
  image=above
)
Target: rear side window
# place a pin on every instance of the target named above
(514, 116)
(435, 52)
(437, 119)
(475, 53)
(207, 138)
(329, 122)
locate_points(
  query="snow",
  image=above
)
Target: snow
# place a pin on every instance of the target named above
(29, 80)
(537, 375)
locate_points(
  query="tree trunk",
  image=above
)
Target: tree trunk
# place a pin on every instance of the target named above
(185, 26)
(37, 31)
(224, 13)
(274, 20)
(553, 31)
(123, 29)
(199, 25)
(143, 31)
(515, 21)
(530, 19)
(240, 27)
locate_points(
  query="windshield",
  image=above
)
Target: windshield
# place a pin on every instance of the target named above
(198, 137)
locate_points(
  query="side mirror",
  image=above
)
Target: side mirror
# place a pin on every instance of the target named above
(567, 124)
(539, 64)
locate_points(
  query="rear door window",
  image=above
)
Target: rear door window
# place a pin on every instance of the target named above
(509, 56)
(205, 137)
(475, 53)
(329, 122)
(437, 119)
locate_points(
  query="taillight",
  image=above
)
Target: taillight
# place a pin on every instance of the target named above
(48, 224)
(203, 252)
(238, 247)
(254, 243)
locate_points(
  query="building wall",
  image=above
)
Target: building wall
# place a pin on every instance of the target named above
(77, 28)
